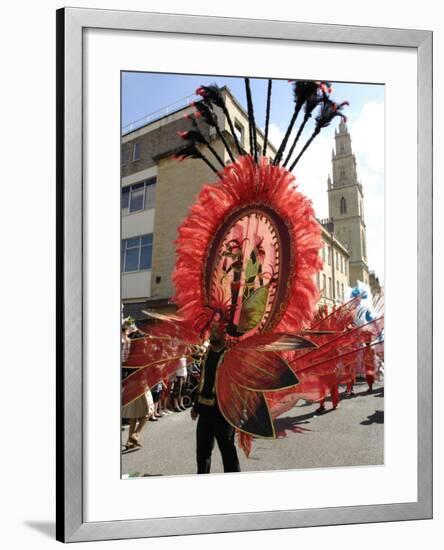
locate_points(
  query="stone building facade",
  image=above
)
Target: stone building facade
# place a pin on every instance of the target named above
(157, 192)
(346, 206)
(333, 280)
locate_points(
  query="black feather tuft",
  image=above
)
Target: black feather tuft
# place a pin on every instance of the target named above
(329, 110)
(189, 151)
(193, 135)
(211, 94)
(205, 112)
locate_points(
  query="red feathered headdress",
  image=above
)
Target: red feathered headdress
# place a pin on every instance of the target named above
(244, 190)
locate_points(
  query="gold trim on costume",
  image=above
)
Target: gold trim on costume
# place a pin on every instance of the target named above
(204, 401)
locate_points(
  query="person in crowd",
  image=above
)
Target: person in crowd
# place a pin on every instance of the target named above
(165, 400)
(349, 389)
(179, 385)
(156, 393)
(334, 392)
(369, 366)
(139, 410)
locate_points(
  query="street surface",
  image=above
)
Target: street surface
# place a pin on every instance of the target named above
(353, 435)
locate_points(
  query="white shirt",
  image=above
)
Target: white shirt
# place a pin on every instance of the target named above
(182, 369)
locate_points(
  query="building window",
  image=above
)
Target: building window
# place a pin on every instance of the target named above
(346, 267)
(342, 291)
(239, 130)
(329, 255)
(323, 252)
(139, 196)
(137, 147)
(318, 280)
(324, 284)
(338, 293)
(342, 174)
(137, 253)
(330, 287)
(341, 263)
(343, 206)
(364, 246)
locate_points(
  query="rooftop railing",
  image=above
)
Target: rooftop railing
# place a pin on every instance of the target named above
(160, 113)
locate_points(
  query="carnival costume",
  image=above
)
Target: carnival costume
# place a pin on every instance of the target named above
(247, 257)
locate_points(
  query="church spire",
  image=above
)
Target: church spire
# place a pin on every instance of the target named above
(343, 128)
(344, 162)
(345, 205)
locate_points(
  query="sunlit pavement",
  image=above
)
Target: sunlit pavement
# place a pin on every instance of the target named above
(352, 435)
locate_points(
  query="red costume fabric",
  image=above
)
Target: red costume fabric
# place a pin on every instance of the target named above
(247, 257)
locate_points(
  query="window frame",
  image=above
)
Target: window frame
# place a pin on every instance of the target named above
(241, 129)
(139, 247)
(148, 182)
(133, 154)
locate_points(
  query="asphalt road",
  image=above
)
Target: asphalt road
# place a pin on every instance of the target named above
(353, 435)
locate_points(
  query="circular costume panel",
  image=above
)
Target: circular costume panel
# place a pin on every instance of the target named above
(249, 246)
(247, 267)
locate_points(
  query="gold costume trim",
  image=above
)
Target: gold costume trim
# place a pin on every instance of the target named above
(204, 401)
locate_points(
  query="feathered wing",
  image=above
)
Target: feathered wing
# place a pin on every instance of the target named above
(276, 341)
(250, 368)
(144, 378)
(244, 409)
(339, 357)
(155, 355)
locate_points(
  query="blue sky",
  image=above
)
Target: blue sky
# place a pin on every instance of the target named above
(145, 93)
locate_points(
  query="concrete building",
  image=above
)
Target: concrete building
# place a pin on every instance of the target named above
(157, 192)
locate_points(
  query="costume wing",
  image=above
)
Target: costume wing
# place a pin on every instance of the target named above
(250, 368)
(269, 341)
(337, 360)
(156, 354)
(144, 378)
(244, 409)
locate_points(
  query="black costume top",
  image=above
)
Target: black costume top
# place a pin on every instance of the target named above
(206, 393)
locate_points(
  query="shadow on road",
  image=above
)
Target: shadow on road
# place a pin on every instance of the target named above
(292, 424)
(126, 451)
(376, 418)
(379, 392)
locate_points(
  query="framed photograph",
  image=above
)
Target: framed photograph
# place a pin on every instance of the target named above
(244, 274)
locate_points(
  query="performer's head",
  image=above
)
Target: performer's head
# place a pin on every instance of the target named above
(217, 334)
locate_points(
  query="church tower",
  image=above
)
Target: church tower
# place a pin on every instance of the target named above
(346, 206)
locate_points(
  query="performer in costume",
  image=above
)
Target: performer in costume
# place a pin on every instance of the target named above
(211, 424)
(253, 214)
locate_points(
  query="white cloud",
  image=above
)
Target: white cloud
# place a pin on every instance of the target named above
(368, 142)
(310, 173)
(367, 132)
(275, 134)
